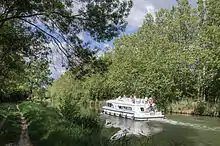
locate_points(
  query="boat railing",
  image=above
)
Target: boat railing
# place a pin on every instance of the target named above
(139, 101)
(128, 100)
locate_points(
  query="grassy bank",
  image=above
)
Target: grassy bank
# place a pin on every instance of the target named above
(10, 124)
(48, 127)
(63, 127)
(195, 108)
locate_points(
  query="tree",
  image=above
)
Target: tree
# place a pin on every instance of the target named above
(173, 57)
(28, 26)
(37, 78)
(59, 21)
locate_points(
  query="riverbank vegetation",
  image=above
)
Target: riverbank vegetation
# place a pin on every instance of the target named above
(67, 126)
(32, 33)
(192, 107)
(173, 57)
(9, 124)
(50, 126)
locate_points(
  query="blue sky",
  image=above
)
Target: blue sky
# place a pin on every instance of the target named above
(135, 19)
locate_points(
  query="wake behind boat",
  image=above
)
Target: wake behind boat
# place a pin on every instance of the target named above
(133, 108)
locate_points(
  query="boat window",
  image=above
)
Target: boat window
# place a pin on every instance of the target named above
(129, 108)
(142, 109)
(124, 107)
(110, 104)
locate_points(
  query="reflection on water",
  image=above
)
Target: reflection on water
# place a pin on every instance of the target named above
(131, 127)
(176, 130)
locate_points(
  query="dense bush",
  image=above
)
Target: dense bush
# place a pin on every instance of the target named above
(195, 107)
(209, 109)
(200, 108)
(14, 96)
(10, 123)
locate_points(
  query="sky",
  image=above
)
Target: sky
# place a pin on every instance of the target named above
(135, 19)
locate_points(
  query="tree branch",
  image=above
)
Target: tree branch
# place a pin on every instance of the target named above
(56, 41)
(62, 34)
(19, 17)
(37, 14)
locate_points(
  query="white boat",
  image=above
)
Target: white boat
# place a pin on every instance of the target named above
(132, 108)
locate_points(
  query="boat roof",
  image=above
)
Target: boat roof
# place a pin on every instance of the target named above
(126, 101)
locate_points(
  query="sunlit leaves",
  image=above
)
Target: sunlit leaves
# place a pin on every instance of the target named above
(173, 56)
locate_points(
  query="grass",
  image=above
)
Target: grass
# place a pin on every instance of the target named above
(10, 124)
(70, 126)
(48, 127)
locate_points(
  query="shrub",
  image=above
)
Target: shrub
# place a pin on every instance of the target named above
(200, 108)
(10, 124)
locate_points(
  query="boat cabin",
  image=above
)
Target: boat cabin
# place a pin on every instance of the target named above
(134, 108)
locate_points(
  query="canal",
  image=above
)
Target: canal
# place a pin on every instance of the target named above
(176, 130)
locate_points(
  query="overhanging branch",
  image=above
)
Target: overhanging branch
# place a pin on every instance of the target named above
(19, 17)
(56, 41)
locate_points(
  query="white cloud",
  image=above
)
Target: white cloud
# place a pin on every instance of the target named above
(138, 11)
(105, 48)
(81, 35)
(151, 9)
(142, 7)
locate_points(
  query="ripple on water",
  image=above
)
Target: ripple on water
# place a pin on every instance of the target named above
(196, 126)
(185, 131)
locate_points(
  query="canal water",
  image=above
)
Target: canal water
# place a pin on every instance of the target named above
(175, 130)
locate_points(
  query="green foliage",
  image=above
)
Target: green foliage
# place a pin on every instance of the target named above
(28, 28)
(11, 130)
(9, 124)
(207, 109)
(49, 126)
(34, 82)
(200, 109)
(58, 21)
(76, 85)
(193, 107)
(37, 78)
(173, 56)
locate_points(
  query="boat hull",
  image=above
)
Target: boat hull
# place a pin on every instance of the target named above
(132, 115)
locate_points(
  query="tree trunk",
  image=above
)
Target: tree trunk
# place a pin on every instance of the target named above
(199, 86)
(203, 83)
(31, 91)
